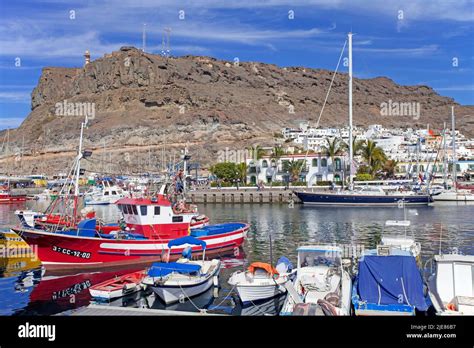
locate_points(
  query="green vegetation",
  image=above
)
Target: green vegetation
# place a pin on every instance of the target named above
(226, 171)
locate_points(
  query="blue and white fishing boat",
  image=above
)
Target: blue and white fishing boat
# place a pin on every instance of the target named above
(185, 278)
(389, 285)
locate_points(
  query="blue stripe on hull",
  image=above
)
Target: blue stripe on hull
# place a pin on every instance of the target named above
(361, 200)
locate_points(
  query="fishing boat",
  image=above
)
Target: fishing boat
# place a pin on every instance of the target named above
(150, 224)
(322, 285)
(451, 284)
(117, 286)
(397, 241)
(261, 281)
(388, 285)
(7, 197)
(181, 280)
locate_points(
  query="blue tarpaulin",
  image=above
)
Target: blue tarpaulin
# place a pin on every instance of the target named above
(187, 240)
(389, 280)
(161, 269)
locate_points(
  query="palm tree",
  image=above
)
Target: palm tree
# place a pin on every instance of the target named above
(242, 170)
(277, 153)
(389, 168)
(256, 152)
(294, 168)
(357, 146)
(334, 147)
(373, 155)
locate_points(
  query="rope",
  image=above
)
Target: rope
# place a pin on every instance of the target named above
(203, 310)
(325, 100)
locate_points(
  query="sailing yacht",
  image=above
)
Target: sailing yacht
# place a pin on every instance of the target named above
(362, 197)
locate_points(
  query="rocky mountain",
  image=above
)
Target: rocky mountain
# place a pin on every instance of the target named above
(144, 107)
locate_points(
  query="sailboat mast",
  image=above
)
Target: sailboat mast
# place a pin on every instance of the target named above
(454, 147)
(350, 109)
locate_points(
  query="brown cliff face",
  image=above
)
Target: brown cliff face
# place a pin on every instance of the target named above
(143, 100)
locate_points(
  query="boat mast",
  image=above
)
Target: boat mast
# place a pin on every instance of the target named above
(454, 148)
(445, 158)
(78, 171)
(349, 36)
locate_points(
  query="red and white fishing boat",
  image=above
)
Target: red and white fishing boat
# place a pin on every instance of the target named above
(151, 224)
(7, 197)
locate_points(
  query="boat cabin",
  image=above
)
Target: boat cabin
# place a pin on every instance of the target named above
(157, 217)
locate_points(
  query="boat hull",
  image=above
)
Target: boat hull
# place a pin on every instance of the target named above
(176, 293)
(60, 251)
(250, 294)
(334, 199)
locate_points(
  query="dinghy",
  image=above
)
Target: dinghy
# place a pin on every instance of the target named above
(322, 286)
(261, 281)
(181, 280)
(118, 286)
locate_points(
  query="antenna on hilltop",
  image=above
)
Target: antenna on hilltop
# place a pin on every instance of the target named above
(165, 42)
(144, 38)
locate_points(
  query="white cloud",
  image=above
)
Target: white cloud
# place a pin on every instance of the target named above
(10, 122)
(15, 97)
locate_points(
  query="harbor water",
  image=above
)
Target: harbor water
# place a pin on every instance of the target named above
(26, 289)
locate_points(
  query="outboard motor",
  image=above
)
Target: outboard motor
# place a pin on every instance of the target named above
(187, 252)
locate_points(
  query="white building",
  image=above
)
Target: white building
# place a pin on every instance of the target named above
(318, 167)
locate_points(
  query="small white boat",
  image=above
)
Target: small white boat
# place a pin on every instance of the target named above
(261, 281)
(179, 281)
(108, 195)
(117, 287)
(322, 286)
(398, 241)
(451, 285)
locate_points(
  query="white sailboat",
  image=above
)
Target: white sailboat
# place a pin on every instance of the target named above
(453, 194)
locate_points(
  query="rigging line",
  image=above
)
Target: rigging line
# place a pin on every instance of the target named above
(332, 81)
(325, 100)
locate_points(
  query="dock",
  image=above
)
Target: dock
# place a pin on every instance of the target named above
(98, 310)
(242, 195)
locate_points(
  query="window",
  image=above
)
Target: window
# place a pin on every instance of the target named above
(157, 210)
(337, 163)
(264, 164)
(114, 192)
(106, 193)
(135, 211)
(314, 162)
(324, 162)
(143, 210)
(177, 219)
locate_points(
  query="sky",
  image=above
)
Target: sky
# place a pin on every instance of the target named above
(413, 42)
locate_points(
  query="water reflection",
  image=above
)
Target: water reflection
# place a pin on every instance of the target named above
(26, 289)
